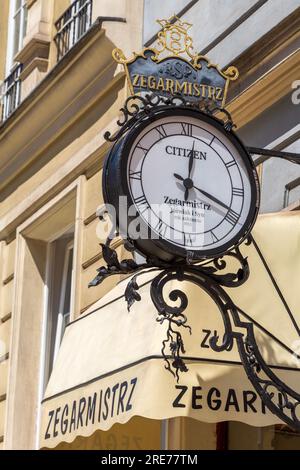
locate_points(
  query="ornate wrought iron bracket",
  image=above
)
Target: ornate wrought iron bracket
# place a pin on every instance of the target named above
(210, 277)
(136, 107)
(264, 154)
(201, 273)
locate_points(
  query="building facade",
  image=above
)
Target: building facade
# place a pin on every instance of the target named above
(61, 90)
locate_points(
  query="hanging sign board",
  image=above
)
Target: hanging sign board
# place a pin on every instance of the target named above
(171, 68)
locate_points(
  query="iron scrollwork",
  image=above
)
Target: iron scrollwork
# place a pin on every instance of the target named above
(211, 276)
(279, 398)
(208, 275)
(136, 107)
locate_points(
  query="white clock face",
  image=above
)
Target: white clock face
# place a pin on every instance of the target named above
(189, 183)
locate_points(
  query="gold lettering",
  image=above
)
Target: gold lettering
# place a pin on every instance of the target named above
(181, 87)
(174, 86)
(170, 85)
(219, 91)
(211, 92)
(203, 88)
(160, 84)
(196, 89)
(143, 81)
(135, 79)
(151, 82)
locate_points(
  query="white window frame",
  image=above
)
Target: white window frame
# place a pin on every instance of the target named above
(11, 32)
(49, 337)
(23, 344)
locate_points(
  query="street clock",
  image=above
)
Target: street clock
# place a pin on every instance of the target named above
(190, 183)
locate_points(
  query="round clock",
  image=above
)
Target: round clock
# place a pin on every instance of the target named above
(181, 186)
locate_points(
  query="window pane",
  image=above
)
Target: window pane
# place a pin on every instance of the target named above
(60, 283)
(68, 284)
(18, 4)
(66, 322)
(24, 19)
(16, 33)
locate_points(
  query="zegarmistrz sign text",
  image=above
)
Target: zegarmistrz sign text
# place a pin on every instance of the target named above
(177, 77)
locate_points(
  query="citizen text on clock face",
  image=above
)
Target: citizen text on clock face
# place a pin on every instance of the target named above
(189, 183)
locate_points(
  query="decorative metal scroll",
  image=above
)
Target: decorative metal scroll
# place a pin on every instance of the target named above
(137, 107)
(203, 274)
(209, 275)
(172, 68)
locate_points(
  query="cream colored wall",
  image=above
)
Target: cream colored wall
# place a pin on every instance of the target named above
(75, 152)
(130, 10)
(91, 251)
(188, 434)
(7, 258)
(3, 36)
(244, 437)
(28, 320)
(39, 19)
(42, 15)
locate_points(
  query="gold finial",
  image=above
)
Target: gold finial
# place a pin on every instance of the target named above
(184, 26)
(174, 37)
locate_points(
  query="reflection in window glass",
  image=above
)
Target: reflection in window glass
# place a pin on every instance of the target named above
(60, 268)
(17, 30)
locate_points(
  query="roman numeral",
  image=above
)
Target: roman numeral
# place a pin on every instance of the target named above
(142, 203)
(231, 163)
(161, 132)
(142, 148)
(238, 192)
(187, 129)
(188, 239)
(135, 175)
(214, 237)
(161, 227)
(232, 217)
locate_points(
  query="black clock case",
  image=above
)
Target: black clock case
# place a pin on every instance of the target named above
(114, 184)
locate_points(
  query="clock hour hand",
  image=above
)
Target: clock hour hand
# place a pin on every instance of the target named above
(178, 177)
(187, 183)
(217, 201)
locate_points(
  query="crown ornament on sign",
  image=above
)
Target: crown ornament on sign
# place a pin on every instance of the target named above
(174, 37)
(172, 68)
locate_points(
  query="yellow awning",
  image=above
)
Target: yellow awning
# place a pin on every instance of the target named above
(110, 366)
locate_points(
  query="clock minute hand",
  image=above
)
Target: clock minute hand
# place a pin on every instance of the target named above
(191, 159)
(217, 201)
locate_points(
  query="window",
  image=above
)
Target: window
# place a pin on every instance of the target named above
(63, 314)
(10, 92)
(10, 89)
(72, 25)
(16, 31)
(59, 286)
(291, 192)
